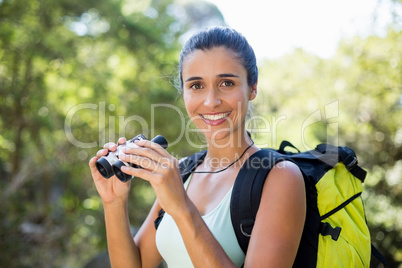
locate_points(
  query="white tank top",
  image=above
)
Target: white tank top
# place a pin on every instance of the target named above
(171, 245)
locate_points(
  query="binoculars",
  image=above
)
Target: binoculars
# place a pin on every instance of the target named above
(110, 164)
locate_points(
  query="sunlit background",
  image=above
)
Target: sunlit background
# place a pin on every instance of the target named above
(77, 74)
(275, 28)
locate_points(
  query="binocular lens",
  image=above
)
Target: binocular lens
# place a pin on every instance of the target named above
(120, 174)
(104, 168)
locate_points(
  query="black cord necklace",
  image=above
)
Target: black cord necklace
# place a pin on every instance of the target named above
(252, 143)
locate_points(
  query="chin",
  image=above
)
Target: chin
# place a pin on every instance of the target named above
(220, 137)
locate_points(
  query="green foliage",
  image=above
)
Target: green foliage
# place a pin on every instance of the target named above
(74, 75)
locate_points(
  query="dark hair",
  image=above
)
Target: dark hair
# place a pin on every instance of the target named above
(226, 37)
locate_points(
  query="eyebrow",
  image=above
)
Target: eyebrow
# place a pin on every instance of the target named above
(219, 75)
(193, 78)
(228, 75)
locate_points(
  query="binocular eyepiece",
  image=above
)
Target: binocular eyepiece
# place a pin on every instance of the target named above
(110, 164)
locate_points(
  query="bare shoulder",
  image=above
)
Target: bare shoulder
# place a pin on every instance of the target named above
(284, 185)
(280, 218)
(286, 170)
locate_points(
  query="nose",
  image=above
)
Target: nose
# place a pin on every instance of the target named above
(212, 99)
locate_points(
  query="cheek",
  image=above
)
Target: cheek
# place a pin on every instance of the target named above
(188, 102)
(241, 100)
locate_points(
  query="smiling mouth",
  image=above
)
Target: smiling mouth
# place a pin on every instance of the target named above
(215, 117)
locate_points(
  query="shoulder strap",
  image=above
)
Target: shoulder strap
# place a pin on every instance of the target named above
(379, 256)
(247, 190)
(285, 144)
(186, 165)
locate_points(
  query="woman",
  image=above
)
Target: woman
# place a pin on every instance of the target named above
(218, 79)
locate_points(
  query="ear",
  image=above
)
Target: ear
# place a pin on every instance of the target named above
(253, 92)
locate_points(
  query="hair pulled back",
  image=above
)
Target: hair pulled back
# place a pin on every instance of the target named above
(222, 37)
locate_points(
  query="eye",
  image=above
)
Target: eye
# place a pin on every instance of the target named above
(196, 86)
(227, 84)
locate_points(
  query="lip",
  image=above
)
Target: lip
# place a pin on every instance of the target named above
(215, 122)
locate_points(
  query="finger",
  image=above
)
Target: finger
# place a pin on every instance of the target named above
(146, 158)
(152, 146)
(134, 149)
(92, 165)
(137, 172)
(143, 162)
(121, 140)
(111, 146)
(92, 162)
(102, 152)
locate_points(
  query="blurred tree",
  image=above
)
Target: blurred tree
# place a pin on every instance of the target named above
(73, 75)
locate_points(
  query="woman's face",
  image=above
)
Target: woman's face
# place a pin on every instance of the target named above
(216, 93)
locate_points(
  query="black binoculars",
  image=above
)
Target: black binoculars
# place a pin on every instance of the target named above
(110, 164)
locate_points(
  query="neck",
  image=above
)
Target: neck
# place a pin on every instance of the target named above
(222, 153)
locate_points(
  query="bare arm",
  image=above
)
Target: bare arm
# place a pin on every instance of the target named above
(123, 251)
(280, 219)
(145, 240)
(202, 247)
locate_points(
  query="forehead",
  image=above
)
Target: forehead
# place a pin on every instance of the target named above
(217, 59)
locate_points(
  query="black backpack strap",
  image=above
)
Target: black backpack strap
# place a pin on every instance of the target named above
(187, 166)
(348, 158)
(285, 144)
(379, 256)
(247, 191)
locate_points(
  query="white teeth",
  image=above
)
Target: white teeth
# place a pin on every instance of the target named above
(214, 117)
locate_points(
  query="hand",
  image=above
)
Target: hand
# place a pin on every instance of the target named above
(161, 170)
(111, 189)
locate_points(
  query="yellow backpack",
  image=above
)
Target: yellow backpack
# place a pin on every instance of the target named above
(335, 232)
